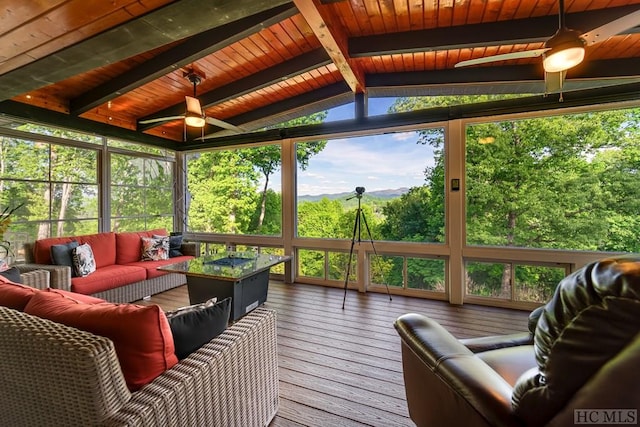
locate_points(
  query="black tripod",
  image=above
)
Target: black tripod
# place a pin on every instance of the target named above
(357, 231)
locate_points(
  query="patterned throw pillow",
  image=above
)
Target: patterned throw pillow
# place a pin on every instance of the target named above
(155, 248)
(83, 261)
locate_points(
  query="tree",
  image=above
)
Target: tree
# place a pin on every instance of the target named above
(222, 186)
(267, 159)
(537, 183)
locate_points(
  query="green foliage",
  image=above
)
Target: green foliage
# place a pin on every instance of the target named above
(223, 192)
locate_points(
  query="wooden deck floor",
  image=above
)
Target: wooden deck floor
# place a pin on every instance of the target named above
(343, 367)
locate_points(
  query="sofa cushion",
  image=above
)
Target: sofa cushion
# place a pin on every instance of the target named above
(194, 326)
(141, 334)
(107, 278)
(129, 244)
(84, 262)
(154, 248)
(15, 295)
(152, 266)
(175, 244)
(86, 299)
(42, 248)
(13, 274)
(62, 254)
(103, 245)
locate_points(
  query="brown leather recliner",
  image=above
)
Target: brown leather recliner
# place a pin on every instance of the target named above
(582, 354)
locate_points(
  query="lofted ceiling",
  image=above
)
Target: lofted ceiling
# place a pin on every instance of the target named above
(110, 67)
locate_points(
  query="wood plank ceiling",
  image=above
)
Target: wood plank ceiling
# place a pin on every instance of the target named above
(107, 66)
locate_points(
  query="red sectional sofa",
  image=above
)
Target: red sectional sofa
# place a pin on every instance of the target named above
(120, 274)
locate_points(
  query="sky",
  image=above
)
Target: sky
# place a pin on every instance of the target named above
(376, 162)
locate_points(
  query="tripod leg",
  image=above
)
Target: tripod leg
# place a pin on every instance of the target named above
(356, 227)
(366, 225)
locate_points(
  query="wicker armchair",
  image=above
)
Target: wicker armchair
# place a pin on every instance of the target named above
(54, 375)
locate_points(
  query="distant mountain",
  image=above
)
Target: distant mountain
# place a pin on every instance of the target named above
(379, 194)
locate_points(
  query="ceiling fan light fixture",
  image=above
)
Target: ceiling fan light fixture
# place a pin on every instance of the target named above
(566, 50)
(194, 120)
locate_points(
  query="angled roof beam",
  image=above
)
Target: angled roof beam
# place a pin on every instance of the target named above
(192, 49)
(591, 70)
(334, 40)
(167, 24)
(56, 119)
(298, 65)
(306, 103)
(625, 92)
(520, 31)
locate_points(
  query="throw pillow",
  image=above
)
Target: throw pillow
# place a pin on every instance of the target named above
(63, 254)
(194, 326)
(175, 243)
(83, 261)
(12, 274)
(155, 248)
(140, 334)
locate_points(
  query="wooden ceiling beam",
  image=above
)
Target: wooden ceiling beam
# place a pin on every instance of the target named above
(167, 24)
(334, 40)
(307, 103)
(301, 64)
(194, 48)
(520, 31)
(460, 80)
(56, 119)
(619, 93)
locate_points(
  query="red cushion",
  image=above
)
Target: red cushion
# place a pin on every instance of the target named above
(152, 266)
(129, 245)
(42, 248)
(105, 278)
(141, 334)
(86, 299)
(103, 246)
(15, 295)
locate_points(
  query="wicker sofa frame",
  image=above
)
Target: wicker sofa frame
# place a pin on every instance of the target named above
(60, 278)
(56, 375)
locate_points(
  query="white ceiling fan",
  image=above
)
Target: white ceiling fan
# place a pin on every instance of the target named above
(565, 49)
(194, 116)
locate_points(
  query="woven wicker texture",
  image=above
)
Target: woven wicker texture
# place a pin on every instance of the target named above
(232, 381)
(54, 375)
(36, 279)
(60, 278)
(138, 290)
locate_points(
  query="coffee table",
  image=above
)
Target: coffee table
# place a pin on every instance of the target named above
(244, 276)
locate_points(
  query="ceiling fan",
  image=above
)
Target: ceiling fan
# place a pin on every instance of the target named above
(194, 116)
(565, 49)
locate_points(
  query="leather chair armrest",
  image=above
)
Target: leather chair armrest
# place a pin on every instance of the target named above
(478, 345)
(435, 363)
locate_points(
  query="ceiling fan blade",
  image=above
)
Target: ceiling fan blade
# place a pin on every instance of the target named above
(223, 124)
(193, 105)
(612, 28)
(503, 57)
(553, 82)
(161, 119)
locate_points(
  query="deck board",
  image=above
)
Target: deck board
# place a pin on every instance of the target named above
(343, 367)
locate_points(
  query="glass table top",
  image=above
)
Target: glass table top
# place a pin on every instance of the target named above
(226, 265)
